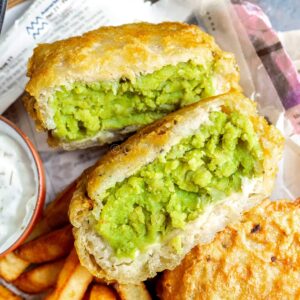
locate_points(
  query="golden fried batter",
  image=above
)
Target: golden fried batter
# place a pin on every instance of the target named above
(257, 258)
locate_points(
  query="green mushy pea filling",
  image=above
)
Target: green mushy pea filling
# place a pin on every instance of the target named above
(176, 186)
(84, 109)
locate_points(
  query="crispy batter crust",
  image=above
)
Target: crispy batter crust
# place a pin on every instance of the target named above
(111, 53)
(143, 148)
(256, 258)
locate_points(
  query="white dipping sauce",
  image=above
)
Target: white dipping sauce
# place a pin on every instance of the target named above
(18, 190)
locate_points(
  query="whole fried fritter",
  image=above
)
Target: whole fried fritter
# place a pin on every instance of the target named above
(256, 258)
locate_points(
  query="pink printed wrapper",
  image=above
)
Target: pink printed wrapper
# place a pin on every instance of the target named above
(273, 56)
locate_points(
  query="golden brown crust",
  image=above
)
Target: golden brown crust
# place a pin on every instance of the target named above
(111, 53)
(140, 48)
(256, 258)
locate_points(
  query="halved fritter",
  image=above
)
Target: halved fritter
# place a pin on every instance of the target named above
(98, 87)
(255, 258)
(173, 185)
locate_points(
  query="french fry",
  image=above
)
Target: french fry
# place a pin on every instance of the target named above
(40, 278)
(12, 266)
(56, 213)
(51, 246)
(102, 292)
(132, 291)
(73, 280)
(6, 294)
